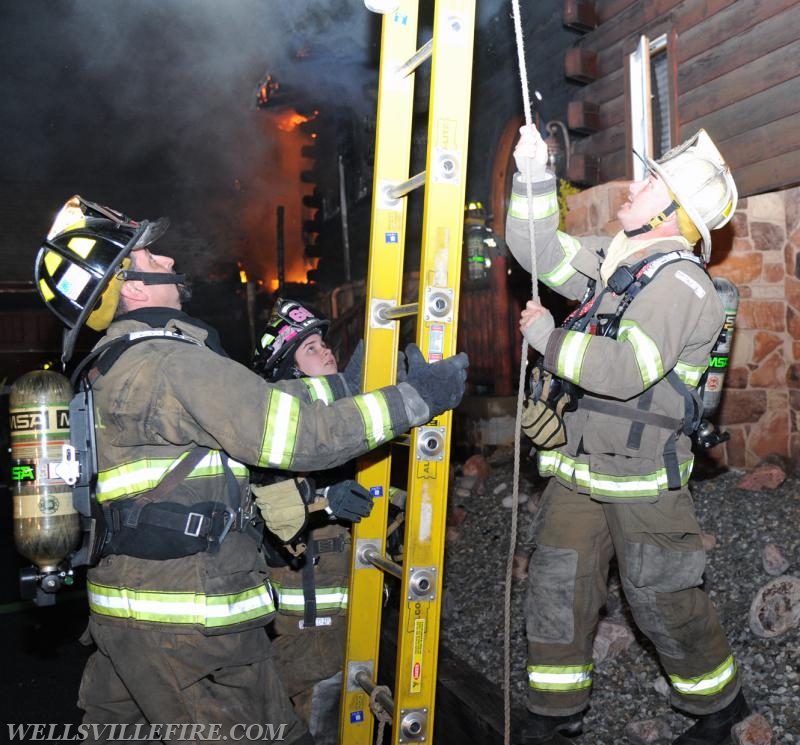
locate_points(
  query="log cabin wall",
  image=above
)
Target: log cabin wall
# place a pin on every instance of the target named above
(735, 72)
(760, 252)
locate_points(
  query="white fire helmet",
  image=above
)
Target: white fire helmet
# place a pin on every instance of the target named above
(696, 173)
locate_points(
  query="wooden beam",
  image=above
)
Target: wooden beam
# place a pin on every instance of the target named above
(616, 29)
(779, 172)
(580, 15)
(751, 112)
(583, 116)
(580, 65)
(760, 74)
(776, 139)
(584, 169)
(772, 35)
(733, 22)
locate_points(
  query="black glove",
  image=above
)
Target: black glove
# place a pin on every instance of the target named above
(352, 371)
(348, 500)
(440, 384)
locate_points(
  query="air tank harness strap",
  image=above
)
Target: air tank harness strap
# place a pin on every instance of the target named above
(109, 353)
(310, 588)
(640, 417)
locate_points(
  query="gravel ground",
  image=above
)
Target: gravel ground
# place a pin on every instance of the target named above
(630, 686)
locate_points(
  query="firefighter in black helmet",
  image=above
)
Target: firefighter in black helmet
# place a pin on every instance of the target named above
(178, 599)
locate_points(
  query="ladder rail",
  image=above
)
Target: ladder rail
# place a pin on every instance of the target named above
(440, 278)
(381, 341)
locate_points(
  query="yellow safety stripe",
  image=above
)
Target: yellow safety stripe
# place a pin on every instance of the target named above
(645, 350)
(560, 678)
(375, 414)
(554, 463)
(129, 479)
(563, 271)
(292, 601)
(690, 374)
(280, 433)
(544, 205)
(209, 611)
(708, 684)
(571, 354)
(319, 389)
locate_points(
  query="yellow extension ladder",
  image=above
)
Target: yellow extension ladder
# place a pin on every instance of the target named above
(411, 701)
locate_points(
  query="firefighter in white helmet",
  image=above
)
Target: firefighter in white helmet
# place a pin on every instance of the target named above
(178, 598)
(612, 404)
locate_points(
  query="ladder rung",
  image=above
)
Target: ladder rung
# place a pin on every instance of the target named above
(416, 59)
(394, 312)
(404, 187)
(384, 699)
(370, 555)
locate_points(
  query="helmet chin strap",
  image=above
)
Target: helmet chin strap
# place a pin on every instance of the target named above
(153, 278)
(159, 278)
(654, 222)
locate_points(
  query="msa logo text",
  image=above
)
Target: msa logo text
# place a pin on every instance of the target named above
(23, 472)
(25, 421)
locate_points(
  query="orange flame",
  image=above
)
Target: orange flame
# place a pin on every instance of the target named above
(288, 121)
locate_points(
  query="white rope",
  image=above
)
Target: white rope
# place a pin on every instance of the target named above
(520, 395)
(380, 712)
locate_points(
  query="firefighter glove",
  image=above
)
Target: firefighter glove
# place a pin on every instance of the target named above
(530, 155)
(440, 384)
(283, 507)
(348, 500)
(538, 331)
(402, 367)
(352, 371)
(542, 413)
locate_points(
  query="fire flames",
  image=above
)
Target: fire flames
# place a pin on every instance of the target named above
(288, 121)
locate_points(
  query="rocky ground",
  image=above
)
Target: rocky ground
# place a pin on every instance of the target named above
(753, 536)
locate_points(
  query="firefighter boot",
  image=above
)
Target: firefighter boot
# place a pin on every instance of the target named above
(543, 730)
(715, 729)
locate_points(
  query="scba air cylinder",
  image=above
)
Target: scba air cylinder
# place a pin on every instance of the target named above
(46, 525)
(720, 354)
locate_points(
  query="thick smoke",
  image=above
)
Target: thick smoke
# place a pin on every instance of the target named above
(150, 105)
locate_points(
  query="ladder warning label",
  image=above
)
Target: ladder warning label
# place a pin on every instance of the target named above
(435, 342)
(391, 237)
(416, 658)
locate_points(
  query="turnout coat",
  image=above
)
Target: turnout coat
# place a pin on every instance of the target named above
(672, 324)
(163, 398)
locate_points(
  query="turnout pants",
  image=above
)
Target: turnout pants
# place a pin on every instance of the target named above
(307, 658)
(222, 687)
(661, 562)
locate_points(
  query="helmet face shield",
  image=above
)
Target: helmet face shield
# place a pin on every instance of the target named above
(696, 173)
(289, 324)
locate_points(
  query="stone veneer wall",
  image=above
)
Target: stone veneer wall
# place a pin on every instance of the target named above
(760, 252)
